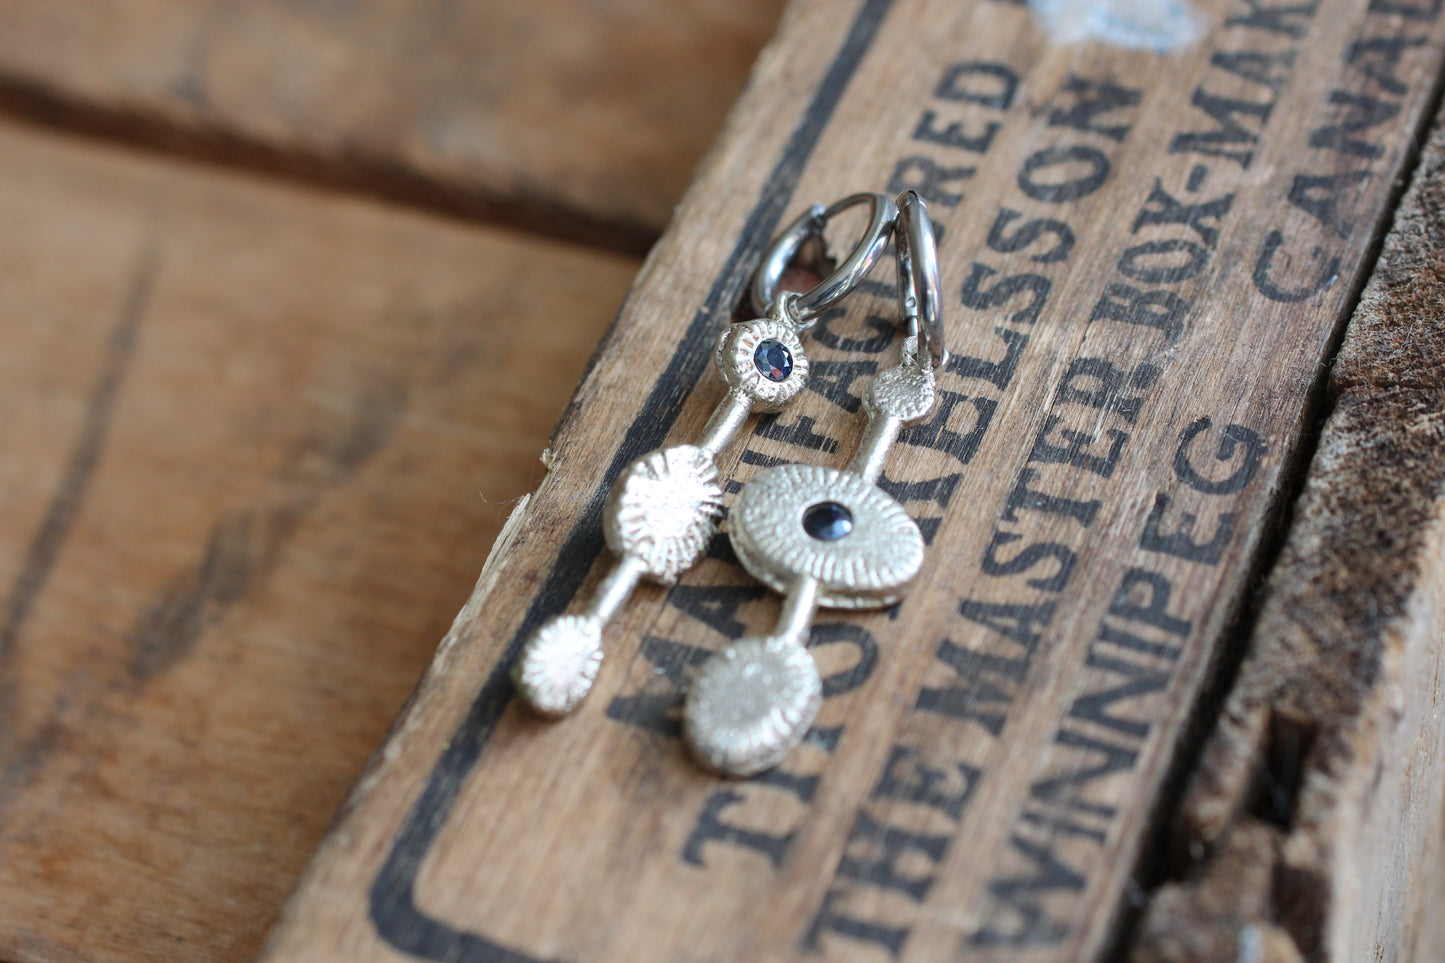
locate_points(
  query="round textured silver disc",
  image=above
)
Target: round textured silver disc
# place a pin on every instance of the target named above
(559, 664)
(751, 705)
(748, 358)
(905, 392)
(869, 566)
(664, 510)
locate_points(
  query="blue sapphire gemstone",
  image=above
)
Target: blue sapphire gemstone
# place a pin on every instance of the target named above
(827, 521)
(774, 360)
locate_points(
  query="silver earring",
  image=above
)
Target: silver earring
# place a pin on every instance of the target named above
(665, 507)
(825, 538)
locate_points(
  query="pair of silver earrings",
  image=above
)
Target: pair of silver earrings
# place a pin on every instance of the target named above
(823, 537)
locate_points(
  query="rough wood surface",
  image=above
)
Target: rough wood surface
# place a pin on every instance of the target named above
(1326, 774)
(579, 119)
(256, 441)
(1149, 258)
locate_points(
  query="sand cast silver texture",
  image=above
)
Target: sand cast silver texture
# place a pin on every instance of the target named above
(871, 566)
(745, 713)
(561, 664)
(822, 537)
(664, 510)
(665, 507)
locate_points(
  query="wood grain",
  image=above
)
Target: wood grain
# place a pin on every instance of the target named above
(1149, 259)
(1325, 772)
(256, 441)
(572, 118)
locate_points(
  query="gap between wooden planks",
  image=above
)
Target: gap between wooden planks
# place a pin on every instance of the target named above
(1312, 823)
(1148, 259)
(568, 118)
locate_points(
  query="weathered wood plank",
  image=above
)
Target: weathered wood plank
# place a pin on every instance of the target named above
(1153, 251)
(255, 443)
(579, 119)
(1326, 772)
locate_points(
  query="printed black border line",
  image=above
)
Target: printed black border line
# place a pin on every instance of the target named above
(392, 902)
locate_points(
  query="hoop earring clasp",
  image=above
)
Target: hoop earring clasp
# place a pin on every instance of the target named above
(918, 285)
(806, 307)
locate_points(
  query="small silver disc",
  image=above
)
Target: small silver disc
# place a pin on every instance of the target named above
(868, 566)
(751, 705)
(664, 510)
(559, 664)
(743, 356)
(904, 391)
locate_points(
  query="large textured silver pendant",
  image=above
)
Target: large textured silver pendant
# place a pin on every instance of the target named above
(659, 518)
(830, 525)
(664, 510)
(823, 537)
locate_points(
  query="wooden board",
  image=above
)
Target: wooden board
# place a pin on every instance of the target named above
(572, 118)
(1154, 251)
(1325, 776)
(256, 442)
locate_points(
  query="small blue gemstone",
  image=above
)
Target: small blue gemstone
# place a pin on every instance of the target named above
(828, 521)
(774, 360)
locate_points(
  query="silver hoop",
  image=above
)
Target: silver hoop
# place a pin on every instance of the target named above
(918, 285)
(806, 307)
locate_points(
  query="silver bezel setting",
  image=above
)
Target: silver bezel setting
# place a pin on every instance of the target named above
(734, 357)
(869, 568)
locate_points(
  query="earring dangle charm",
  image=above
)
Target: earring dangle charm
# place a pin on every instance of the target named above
(825, 538)
(665, 507)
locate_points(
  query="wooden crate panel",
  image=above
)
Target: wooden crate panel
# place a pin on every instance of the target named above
(256, 442)
(1148, 259)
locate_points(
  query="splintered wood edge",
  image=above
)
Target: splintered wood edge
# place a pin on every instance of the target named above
(412, 713)
(1312, 825)
(441, 663)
